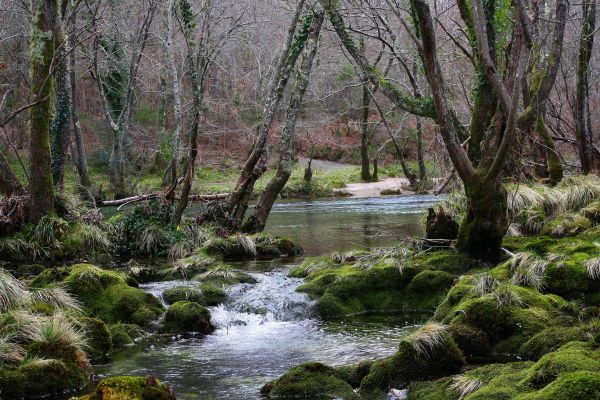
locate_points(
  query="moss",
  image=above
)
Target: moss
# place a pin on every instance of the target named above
(582, 385)
(575, 356)
(52, 377)
(431, 281)
(99, 337)
(182, 293)
(391, 282)
(566, 224)
(124, 334)
(354, 374)
(185, 316)
(550, 339)
(434, 390)
(50, 275)
(106, 295)
(241, 247)
(131, 388)
(212, 295)
(310, 381)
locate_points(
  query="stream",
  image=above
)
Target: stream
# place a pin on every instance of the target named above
(266, 328)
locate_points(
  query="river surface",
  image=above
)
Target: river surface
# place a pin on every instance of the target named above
(266, 328)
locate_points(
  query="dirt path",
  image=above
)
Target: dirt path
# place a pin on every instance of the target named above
(373, 189)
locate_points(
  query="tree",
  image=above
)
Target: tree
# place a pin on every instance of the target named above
(43, 41)
(257, 221)
(256, 163)
(117, 84)
(486, 222)
(583, 129)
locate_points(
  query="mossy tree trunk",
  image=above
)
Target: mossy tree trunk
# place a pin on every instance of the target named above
(553, 163)
(41, 184)
(485, 224)
(9, 183)
(257, 221)
(583, 129)
(60, 129)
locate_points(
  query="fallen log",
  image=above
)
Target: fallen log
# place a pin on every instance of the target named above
(134, 199)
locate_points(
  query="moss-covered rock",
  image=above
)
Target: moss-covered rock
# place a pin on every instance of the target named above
(41, 379)
(131, 388)
(310, 381)
(99, 337)
(550, 339)
(212, 295)
(182, 293)
(106, 295)
(428, 353)
(186, 316)
(242, 247)
(124, 334)
(383, 280)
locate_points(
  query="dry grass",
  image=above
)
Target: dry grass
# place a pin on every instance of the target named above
(246, 243)
(592, 268)
(486, 284)
(504, 295)
(528, 270)
(56, 330)
(224, 272)
(464, 385)
(13, 293)
(57, 296)
(428, 338)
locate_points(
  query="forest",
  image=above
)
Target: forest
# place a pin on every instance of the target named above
(307, 199)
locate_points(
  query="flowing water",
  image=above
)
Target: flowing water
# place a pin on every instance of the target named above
(266, 328)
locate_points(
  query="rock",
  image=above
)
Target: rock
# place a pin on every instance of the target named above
(131, 388)
(313, 381)
(99, 337)
(186, 316)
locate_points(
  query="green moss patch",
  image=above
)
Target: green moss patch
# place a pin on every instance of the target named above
(186, 316)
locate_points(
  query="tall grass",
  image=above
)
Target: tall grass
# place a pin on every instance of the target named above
(13, 293)
(592, 268)
(56, 330)
(528, 270)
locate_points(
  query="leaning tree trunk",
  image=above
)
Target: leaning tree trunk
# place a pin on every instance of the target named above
(60, 130)
(365, 174)
(42, 52)
(257, 221)
(256, 162)
(582, 128)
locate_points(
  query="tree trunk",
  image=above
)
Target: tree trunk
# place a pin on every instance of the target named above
(78, 154)
(42, 51)
(482, 229)
(365, 174)
(583, 130)
(555, 171)
(60, 130)
(177, 110)
(9, 183)
(420, 153)
(258, 220)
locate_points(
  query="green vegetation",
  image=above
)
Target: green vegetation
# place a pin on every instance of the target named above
(130, 388)
(186, 316)
(385, 280)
